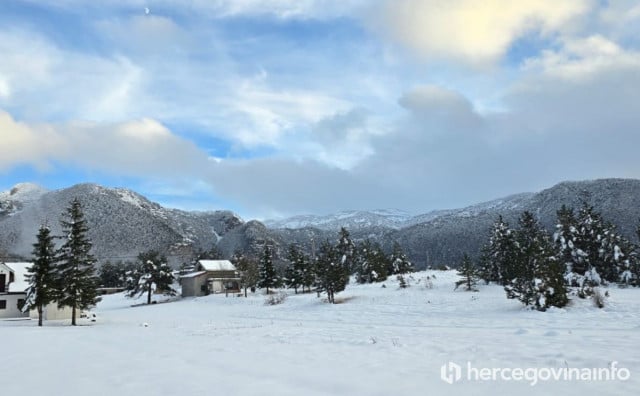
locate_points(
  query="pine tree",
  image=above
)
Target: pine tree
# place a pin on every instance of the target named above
(592, 251)
(498, 255)
(115, 274)
(41, 276)
(399, 264)
(469, 274)
(371, 263)
(332, 276)
(538, 273)
(76, 271)
(249, 271)
(346, 250)
(268, 278)
(151, 274)
(296, 269)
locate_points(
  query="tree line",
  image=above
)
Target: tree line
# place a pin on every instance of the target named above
(326, 271)
(542, 270)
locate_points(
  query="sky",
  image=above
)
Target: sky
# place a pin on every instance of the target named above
(273, 108)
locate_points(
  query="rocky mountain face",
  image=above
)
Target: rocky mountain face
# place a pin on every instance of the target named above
(123, 223)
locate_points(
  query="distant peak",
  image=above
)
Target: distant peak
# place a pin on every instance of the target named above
(24, 192)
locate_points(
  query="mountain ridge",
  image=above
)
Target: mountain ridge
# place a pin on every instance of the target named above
(124, 223)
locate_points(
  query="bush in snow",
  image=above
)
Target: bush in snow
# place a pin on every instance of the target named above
(598, 298)
(402, 282)
(275, 299)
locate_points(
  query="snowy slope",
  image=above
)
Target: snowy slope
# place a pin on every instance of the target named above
(355, 219)
(122, 223)
(378, 341)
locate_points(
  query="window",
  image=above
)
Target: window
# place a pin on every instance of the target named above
(3, 304)
(20, 303)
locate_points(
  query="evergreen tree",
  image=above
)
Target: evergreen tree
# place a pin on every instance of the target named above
(332, 276)
(308, 274)
(295, 272)
(249, 271)
(268, 277)
(115, 274)
(469, 274)
(151, 274)
(499, 254)
(399, 264)
(592, 250)
(76, 271)
(371, 263)
(41, 276)
(538, 273)
(346, 250)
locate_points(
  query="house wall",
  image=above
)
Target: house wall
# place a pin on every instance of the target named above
(53, 312)
(192, 287)
(12, 310)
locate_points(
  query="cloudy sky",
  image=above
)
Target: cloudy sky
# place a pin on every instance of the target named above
(280, 107)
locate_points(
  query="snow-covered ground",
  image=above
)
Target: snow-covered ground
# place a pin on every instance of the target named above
(377, 341)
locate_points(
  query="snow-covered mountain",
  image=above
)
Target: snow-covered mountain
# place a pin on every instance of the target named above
(442, 237)
(394, 218)
(122, 223)
(354, 219)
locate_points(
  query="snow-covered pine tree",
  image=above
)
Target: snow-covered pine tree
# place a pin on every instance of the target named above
(371, 263)
(296, 268)
(498, 255)
(538, 273)
(76, 272)
(332, 276)
(41, 276)
(591, 247)
(308, 274)
(346, 250)
(151, 274)
(398, 262)
(564, 235)
(468, 273)
(268, 278)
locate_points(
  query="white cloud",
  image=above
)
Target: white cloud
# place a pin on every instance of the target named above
(475, 31)
(585, 58)
(142, 148)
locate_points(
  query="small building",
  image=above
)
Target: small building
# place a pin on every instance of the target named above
(13, 292)
(210, 277)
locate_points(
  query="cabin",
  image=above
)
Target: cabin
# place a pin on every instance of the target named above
(211, 277)
(13, 292)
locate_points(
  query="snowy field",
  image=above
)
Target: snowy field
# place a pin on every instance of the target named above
(377, 341)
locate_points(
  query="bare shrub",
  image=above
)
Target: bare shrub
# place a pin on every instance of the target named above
(275, 299)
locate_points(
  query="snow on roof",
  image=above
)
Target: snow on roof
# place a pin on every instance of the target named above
(19, 271)
(193, 274)
(217, 265)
